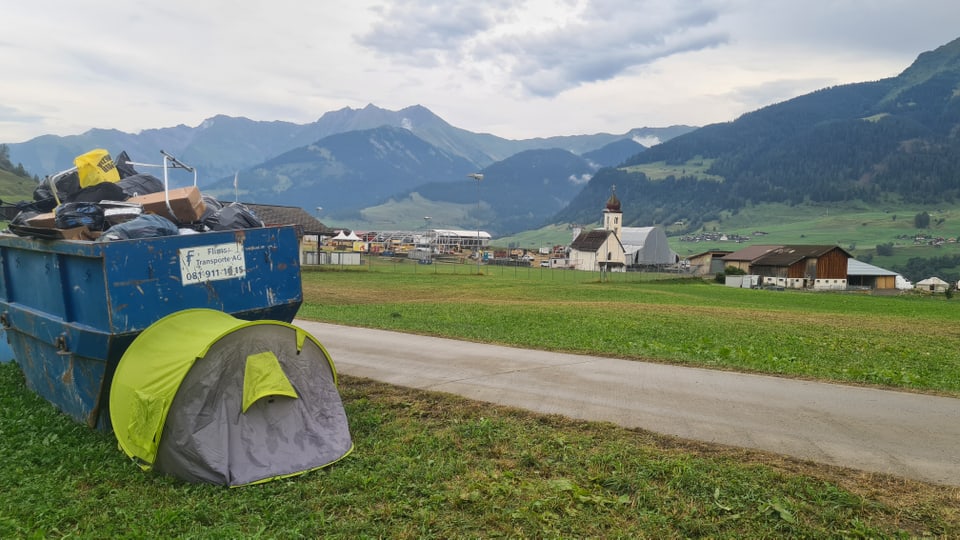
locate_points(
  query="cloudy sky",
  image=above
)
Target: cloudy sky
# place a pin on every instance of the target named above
(514, 68)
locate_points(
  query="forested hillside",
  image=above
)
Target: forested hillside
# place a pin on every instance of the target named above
(893, 139)
(520, 192)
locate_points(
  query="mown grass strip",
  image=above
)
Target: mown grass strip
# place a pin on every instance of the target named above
(430, 465)
(906, 341)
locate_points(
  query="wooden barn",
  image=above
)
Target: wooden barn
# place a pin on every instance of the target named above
(804, 266)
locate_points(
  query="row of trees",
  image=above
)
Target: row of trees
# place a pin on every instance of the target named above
(6, 165)
(946, 267)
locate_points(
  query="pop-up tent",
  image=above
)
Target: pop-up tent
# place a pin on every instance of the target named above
(207, 397)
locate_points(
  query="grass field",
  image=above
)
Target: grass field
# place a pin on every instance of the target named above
(430, 465)
(901, 341)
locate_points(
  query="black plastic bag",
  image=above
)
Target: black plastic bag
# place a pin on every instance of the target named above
(210, 207)
(23, 216)
(124, 167)
(104, 191)
(79, 214)
(140, 184)
(234, 216)
(67, 185)
(145, 226)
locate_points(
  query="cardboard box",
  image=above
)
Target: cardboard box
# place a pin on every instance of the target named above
(78, 233)
(187, 205)
(46, 221)
(52, 233)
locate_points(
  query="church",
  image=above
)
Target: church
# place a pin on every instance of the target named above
(614, 248)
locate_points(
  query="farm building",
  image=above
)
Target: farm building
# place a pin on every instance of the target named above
(866, 276)
(707, 263)
(802, 266)
(797, 266)
(933, 285)
(743, 258)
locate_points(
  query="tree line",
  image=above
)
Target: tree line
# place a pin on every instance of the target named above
(7, 165)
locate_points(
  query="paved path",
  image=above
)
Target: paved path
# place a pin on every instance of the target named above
(908, 435)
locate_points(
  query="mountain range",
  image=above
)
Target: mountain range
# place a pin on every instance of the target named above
(895, 139)
(351, 159)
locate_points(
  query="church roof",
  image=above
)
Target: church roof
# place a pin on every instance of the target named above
(590, 240)
(613, 203)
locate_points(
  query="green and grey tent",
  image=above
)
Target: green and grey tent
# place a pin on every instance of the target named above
(207, 397)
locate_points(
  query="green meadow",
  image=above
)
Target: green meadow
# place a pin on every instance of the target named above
(432, 465)
(908, 341)
(660, 170)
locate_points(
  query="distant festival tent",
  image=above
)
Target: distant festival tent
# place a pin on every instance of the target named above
(341, 237)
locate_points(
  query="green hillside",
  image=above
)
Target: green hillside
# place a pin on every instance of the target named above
(15, 188)
(15, 182)
(696, 167)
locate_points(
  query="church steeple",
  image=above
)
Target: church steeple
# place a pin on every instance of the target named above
(612, 217)
(613, 203)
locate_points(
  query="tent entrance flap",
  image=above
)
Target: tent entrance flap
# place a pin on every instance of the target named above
(263, 377)
(206, 397)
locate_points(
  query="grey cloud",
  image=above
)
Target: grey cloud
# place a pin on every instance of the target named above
(608, 38)
(559, 66)
(420, 30)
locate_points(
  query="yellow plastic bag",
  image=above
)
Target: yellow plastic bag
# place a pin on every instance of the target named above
(96, 166)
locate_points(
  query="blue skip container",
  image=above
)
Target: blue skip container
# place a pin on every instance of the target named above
(70, 309)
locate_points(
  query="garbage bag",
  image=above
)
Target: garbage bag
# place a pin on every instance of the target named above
(67, 184)
(79, 214)
(23, 216)
(210, 207)
(124, 167)
(104, 191)
(96, 166)
(140, 184)
(234, 216)
(144, 226)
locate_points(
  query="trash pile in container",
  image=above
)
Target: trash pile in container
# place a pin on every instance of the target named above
(102, 200)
